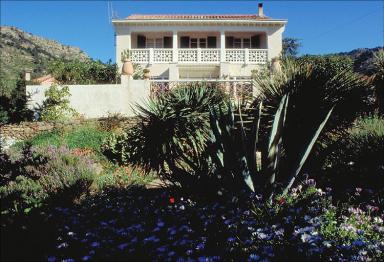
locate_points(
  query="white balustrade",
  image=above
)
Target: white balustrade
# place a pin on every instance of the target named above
(199, 55)
(140, 55)
(235, 55)
(187, 55)
(162, 55)
(210, 55)
(258, 56)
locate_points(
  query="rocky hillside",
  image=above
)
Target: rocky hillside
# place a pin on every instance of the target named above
(21, 50)
(362, 58)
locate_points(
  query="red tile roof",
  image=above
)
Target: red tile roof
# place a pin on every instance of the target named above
(195, 17)
(48, 79)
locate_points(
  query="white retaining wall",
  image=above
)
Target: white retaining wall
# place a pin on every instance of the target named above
(94, 101)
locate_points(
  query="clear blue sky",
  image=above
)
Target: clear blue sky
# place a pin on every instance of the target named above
(322, 26)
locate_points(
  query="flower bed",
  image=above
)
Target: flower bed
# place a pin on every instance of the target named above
(161, 225)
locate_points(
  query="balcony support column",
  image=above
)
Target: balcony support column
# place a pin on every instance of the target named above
(246, 56)
(174, 47)
(151, 55)
(222, 46)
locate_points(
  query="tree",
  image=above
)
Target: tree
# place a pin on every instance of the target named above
(290, 46)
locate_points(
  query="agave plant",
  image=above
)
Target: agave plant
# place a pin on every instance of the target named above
(294, 107)
(316, 103)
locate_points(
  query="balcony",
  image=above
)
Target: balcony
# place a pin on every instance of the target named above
(199, 56)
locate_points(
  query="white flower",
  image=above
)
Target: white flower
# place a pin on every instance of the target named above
(305, 238)
(377, 220)
(327, 244)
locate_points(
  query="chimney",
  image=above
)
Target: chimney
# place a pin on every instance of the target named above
(261, 13)
(27, 75)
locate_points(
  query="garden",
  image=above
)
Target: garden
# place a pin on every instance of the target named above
(294, 173)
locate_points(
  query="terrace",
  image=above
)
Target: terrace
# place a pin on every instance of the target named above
(199, 47)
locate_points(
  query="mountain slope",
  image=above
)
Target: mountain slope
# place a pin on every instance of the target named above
(21, 50)
(362, 59)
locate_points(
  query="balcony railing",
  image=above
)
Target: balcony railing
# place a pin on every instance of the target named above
(199, 55)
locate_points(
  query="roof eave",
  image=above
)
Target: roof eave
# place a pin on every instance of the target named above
(154, 21)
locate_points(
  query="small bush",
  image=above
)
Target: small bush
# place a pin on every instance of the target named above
(56, 104)
(39, 177)
(13, 108)
(83, 72)
(357, 160)
(87, 136)
(111, 122)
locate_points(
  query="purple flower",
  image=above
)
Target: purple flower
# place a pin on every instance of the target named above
(231, 239)
(253, 257)
(95, 244)
(200, 246)
(358, 243)
(122, 246)
(51, 259)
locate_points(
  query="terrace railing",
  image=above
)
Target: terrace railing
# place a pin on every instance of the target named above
(199, 55)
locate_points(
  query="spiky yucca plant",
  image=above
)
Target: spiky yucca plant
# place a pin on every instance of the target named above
(173, 131)
(378, 63)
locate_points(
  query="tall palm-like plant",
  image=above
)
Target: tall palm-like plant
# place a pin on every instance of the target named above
(173, 131)
(378, 63)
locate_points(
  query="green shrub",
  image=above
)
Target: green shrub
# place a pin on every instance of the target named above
(357, 158)
(56, 104)
(87, 136)
(328, 64)
(83, 72)
(378, 66)
(13, 107)
(42, 176)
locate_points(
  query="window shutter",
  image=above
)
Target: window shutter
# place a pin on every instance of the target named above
(184, 42)
(229, 41)
(141, 41)
(255, 41)
(211, 41)
(167, 42)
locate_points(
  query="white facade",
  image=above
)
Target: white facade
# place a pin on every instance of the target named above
(199, 46)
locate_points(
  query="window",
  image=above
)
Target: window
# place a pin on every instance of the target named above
(193, 43)
(154, 43)
(211, 41)
(237, 43)
(203, 43)
(246, 43)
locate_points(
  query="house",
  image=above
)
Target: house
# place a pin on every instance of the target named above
(199, 46)
(44, 80)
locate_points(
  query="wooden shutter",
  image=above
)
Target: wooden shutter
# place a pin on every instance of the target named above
(211, 41)
(255, 41)
(167, 42)
(229, 41)
(184, 42)
(141, 41)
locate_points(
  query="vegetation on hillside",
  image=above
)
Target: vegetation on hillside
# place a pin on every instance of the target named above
(21, 50)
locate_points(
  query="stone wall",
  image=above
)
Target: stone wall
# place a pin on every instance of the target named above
(9, 134)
